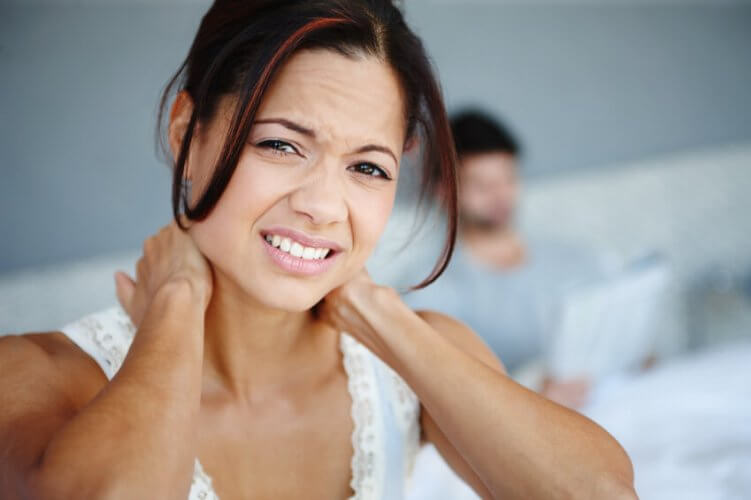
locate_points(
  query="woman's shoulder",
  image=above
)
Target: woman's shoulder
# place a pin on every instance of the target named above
(37, 363)
(461, 336)
(44, 380)
(90, 348)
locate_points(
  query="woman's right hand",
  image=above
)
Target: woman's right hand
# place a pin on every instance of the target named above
(170, 257)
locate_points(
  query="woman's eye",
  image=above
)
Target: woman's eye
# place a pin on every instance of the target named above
(278, 147)
(370, 170)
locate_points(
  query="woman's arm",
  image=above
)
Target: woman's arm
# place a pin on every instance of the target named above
(133, 440)
(136, 437)
(560, 453)
(519, 444)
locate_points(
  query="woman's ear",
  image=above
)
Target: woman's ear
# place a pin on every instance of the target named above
(179, 118)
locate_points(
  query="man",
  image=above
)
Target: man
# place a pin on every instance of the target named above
(501, 283)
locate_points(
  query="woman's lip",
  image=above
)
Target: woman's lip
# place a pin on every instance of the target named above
(302, 238)
(298, 265)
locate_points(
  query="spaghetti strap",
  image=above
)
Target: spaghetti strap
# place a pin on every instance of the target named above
(385, 411)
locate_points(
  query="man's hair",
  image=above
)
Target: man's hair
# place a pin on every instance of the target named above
(476, 132)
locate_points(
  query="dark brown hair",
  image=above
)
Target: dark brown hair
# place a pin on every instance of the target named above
(242, 44)
(475, 131)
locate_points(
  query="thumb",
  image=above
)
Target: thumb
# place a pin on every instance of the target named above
(125, 288)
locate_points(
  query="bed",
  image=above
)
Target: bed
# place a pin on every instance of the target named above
(686, 424)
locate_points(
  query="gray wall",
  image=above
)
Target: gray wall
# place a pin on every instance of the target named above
(589, 85)
(584, 85)
(79, 89)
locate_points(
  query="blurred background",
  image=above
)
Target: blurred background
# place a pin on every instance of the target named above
(635, 121)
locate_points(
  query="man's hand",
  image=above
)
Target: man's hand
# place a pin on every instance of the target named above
(572, 393)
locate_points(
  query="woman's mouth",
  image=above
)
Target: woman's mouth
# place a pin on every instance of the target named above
(295, 257)
(295, 249)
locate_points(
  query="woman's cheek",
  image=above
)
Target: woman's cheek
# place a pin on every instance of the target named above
(371, 219)
(224, 234)
(213, 237)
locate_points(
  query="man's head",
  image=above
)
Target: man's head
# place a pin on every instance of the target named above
(488, 180)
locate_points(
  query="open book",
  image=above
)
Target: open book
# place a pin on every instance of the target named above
(607, 326)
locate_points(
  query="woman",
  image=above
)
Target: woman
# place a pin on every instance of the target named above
(262, 361)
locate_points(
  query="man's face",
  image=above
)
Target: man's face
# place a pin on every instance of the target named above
(488, 189)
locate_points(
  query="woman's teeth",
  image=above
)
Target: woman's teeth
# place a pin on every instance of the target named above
(295, 249)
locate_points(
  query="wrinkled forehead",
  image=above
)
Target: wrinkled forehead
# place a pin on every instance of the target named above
(345, 100)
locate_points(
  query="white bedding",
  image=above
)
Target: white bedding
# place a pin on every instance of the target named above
(686, 425)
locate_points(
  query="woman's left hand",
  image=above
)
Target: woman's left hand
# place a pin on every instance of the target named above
(353, 308)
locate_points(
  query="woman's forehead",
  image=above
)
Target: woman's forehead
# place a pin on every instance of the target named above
(355, 98)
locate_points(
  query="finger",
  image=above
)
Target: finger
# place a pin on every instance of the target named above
(582, 389)
(579, 402)
(140, 269)
(125, 288)
(579, 397)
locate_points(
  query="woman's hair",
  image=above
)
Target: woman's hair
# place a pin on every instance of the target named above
(242, 44)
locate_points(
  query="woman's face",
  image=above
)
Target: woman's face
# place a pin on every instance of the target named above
(315, 184)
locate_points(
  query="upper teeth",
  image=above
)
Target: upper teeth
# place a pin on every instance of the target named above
(296, 249)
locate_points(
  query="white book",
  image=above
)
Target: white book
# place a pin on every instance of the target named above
(607, 326)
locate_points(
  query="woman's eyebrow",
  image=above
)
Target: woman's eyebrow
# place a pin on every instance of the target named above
(290, 125)
(310, 133)
(376, 147)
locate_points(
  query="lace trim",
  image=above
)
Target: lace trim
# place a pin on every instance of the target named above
(407, 411)
(365, 442)
(107, 335)
(200, 487)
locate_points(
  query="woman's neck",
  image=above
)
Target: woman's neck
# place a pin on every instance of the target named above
(250, 347)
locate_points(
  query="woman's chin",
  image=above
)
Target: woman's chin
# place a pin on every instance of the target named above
(297, 306)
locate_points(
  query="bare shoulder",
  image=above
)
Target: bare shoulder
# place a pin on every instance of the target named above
(50, 350)
(39, 369)
(461, 336)
(44, 381)
(45, 345)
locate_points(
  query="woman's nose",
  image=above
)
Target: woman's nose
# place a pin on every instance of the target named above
(321, 197)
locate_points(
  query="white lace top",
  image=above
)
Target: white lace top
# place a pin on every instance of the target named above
(385, 411)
